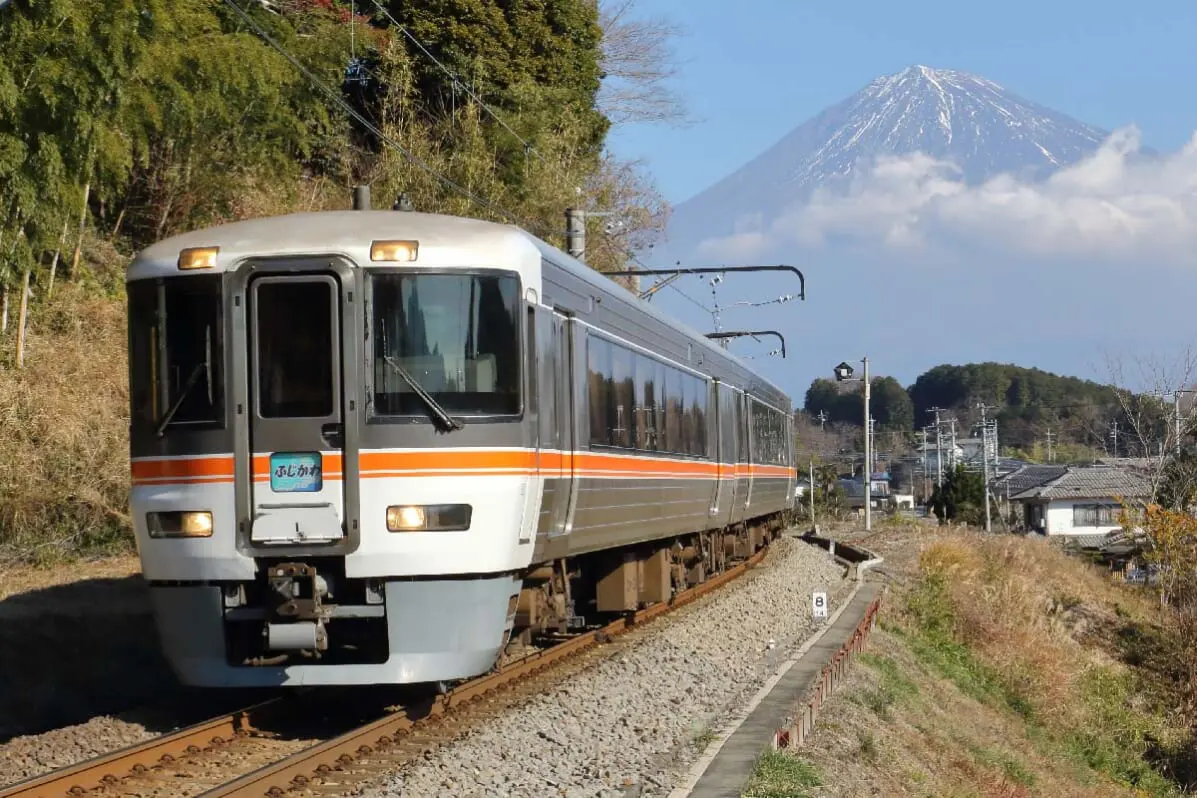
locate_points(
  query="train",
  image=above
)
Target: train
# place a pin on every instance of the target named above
(384, 447)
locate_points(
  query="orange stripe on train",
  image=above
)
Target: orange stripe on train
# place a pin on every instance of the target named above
(431, 463)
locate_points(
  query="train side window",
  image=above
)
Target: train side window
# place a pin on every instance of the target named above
(687, 416)
(673, 411)
(664, 442)
(646, 426)
(601, 399)
(623, 434)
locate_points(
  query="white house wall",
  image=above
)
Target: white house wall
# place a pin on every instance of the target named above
(1059, 518)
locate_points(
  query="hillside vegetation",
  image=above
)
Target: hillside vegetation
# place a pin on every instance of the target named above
(1026, 402)
(181, 114)
(1003, 667)
(64, 450)
(126, 121)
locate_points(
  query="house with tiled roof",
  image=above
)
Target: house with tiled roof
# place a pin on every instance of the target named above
(1082, 502)
(1024, 478)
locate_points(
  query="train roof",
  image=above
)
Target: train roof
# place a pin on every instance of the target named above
(604, 283)
(349, 233)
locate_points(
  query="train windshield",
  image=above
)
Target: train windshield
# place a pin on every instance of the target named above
(455, 335)
(176, 353)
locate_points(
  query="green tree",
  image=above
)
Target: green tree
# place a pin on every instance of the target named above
(1028, 401)
(829, 397)
(890, 404)
(843, 403)
(960, 497)
(532, 60)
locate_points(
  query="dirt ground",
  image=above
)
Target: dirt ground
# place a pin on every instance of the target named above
(76, 641)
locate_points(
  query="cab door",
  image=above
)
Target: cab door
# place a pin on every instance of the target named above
(296, 413)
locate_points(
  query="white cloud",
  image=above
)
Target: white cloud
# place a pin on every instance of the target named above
(1117, 204)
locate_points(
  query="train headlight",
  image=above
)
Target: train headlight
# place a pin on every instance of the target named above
(187, 524)
(400, 251)
(198, 258)
(429, 518)
(402, 519)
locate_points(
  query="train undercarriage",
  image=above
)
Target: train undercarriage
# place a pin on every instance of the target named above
(564, 597)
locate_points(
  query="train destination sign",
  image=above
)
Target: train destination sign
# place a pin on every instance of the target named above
(296, 472)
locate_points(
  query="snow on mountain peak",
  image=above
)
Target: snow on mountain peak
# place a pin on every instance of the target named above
(946, 114)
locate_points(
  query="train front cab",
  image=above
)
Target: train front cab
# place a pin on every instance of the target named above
(287, 507)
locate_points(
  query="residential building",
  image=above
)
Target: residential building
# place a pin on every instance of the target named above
(1024, 478)
(972, 452)
(1084, 503)
(853, 489)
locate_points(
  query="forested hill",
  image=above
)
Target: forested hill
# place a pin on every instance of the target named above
(1020, 398)
(142, 118)
(125, 121)
(1027, 402)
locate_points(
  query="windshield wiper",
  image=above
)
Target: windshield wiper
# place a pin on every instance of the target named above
(438, 412)
(170, 414)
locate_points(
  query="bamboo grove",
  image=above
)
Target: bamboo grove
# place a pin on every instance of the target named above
(129, 120)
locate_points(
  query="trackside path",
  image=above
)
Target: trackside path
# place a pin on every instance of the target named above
(729, 763)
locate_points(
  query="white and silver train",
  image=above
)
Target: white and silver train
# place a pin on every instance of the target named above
(382, 447)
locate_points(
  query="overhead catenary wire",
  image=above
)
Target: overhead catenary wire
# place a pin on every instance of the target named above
(372, 128)
(629, 255)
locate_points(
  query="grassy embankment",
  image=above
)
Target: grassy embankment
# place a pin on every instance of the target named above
(1003, 667)
(64, 465)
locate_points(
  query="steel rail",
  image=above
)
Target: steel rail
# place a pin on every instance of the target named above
(110, 768)
(300, 768)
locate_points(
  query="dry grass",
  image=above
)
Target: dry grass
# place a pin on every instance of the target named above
(64, 466)
(923, 736)
(1000, 670)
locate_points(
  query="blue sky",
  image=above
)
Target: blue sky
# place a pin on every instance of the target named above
(751, 72)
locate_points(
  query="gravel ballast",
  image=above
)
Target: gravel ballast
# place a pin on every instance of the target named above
(32, 755)
(633, 723)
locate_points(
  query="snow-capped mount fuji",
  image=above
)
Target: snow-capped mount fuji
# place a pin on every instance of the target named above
(970, 120)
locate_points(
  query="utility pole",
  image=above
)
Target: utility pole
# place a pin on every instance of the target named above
(925, 469)
(812, 494)
(843, 372)
(952, 447)
(1176, 416)
(938, 450)
(1114, 436)
(822, 421)
(985, 464)
(1049, 445)
(361, 198)
(868, 483)
(575, 233)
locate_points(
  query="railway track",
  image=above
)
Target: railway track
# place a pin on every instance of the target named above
(306, 768)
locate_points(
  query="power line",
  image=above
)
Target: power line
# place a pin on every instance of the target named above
(368, 125)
